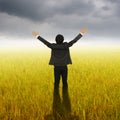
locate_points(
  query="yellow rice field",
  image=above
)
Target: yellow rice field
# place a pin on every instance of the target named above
(27, 81)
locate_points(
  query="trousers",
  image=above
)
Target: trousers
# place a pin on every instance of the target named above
(60, 71)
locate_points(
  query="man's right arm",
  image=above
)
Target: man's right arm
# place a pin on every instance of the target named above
(77, 37)
(75, 40)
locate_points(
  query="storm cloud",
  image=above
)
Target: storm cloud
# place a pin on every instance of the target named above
(20, 18)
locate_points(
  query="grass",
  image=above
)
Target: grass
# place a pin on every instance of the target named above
(26, 84)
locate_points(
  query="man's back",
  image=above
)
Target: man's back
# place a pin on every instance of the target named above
(60, 55)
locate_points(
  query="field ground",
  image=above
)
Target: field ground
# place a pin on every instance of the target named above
(26, 84)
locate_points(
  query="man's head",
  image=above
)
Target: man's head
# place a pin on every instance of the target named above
(59, 39)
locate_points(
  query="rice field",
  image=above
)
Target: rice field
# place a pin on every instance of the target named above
(27, 82)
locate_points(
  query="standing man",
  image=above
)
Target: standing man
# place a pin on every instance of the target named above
(60, 56)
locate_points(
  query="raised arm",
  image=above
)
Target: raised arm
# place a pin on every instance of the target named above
(41, 39)
(77, 37)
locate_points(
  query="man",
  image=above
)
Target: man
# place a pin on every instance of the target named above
(60, 56)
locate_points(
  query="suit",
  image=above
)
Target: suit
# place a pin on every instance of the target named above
(60, 54)
(60, 58)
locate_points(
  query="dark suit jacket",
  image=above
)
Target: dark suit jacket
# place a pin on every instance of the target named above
(60, 55)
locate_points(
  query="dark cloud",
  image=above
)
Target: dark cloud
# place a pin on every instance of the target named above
(25, 8)
(20, 17)
(41, 10)
(77, 7)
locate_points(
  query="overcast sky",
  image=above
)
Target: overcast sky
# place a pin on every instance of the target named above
(18, 18)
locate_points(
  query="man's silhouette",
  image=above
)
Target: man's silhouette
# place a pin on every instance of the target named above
(60, 56)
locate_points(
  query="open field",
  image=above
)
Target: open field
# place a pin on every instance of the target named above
(26, 84)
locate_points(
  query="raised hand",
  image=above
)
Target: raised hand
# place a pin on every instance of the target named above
(84, 30)
(35, 33)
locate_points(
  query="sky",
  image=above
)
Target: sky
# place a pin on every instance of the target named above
(18, 18)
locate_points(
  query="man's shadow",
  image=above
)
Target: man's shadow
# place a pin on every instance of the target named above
(61, 110)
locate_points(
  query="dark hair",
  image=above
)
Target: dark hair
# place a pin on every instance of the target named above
(59, 39)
